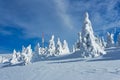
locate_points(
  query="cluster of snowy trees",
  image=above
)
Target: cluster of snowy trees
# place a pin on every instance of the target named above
(24, 57)
(88, 45)
(27, 55)
(3, 59)
(111, 42)
(59, 49)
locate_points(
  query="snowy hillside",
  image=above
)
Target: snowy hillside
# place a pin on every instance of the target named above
(69, 68)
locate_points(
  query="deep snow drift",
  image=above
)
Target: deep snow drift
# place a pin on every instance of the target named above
(68, 67)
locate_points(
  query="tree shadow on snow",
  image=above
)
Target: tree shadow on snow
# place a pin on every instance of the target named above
(68, 61)
(11, 65)
(65, 57)
(112, 55)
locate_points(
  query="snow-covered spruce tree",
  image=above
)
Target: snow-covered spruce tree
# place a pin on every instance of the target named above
(59, 48)
(23, 49)
(118, 40)
(51, 48)
(0, 59)
(103, 42)
(110, 40)
(73, 49)
(4, 60)
(23, 53)
(36, 54)
(27, 55)
(100, 41)
(14, 57)
(19, 56)
(65, 47)
(77, 44)
(43, 53)
(79, 40)
(89, 47)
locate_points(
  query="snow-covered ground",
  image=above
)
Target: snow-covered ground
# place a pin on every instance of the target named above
(67, 68)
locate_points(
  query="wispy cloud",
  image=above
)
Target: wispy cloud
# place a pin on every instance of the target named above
(62, 10)
(102, 13)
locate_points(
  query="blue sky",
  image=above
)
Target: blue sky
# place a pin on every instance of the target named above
(23, 21)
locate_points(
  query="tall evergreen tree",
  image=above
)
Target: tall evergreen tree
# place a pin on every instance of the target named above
(27, 55)
(118, 40)
(110, 40)
(59, 48)
(51, 49)
(89, 47)
(36, 55)
(65, 47)
(14, 57)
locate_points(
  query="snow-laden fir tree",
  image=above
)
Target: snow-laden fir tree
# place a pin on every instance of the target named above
(100, 41)
(27, 55)
(14, 59)
(65, 47)
(23, 49)
(23, 52)
(36, 54)
(118, 40)
(51, 48)
(4, 59)
(43, 53)
(0, 59)
(59, 48)
(77, 45)
(79, 40)
(73, 49)
(89, 46)
(110, 40)
(103, 42)
(19, 56)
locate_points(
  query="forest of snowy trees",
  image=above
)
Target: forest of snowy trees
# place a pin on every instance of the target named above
(88, 44)
(39, 53)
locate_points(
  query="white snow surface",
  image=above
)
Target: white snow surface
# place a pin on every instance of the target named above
(68, 67)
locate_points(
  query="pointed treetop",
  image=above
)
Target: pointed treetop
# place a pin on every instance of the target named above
(29, 46)
(14, 51)
(58, 39)
(79, 33)
(87, 20)
(38, 44)
(108, 33)
(52, 37)
(23, 47)
(59, 42)
(64, 41)
(86, 15)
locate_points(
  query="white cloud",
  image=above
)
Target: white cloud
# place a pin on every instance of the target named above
(62, 10)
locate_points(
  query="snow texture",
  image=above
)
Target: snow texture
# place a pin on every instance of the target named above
(67, 68)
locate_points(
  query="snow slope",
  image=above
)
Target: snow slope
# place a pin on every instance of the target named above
(69, 67)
